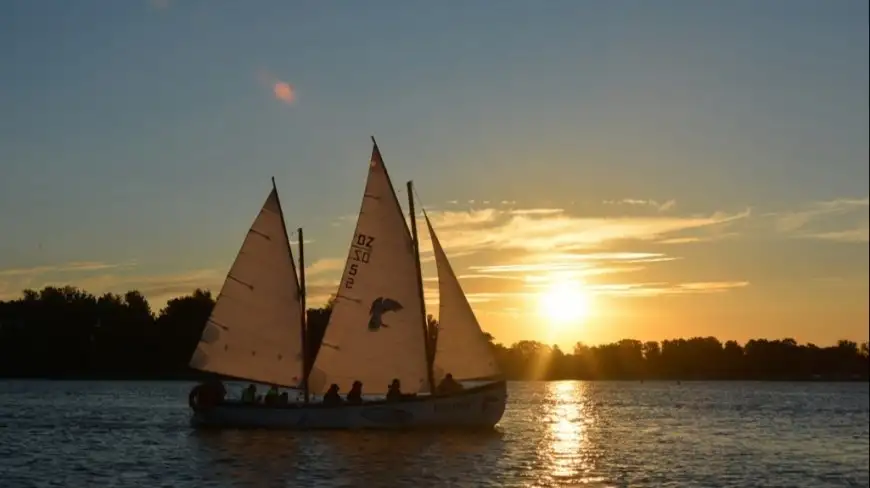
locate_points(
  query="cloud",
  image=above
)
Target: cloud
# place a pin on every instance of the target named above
(284, 92)
(482, 297)
(851, 235)
(324, 266)
(548, 229)
(71, 267)
(281, 90)
(157, 288)
(848, 216)
(662, 288)
(537, 211)
(682, 240)
(573, 264)
(661, 207)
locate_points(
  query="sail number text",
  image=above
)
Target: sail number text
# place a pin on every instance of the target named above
(360, 253)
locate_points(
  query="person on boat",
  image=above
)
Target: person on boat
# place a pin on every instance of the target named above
(331, 397)
(271, 395)
(394, 391)
(354, 396)
(448, 385)
(215, 390)
(249, 394)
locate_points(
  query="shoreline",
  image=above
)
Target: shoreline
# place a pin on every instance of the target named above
(193, 378)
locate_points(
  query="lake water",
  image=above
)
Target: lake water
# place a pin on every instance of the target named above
(657, 434)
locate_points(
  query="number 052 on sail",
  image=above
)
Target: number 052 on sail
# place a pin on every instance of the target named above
(377, 331)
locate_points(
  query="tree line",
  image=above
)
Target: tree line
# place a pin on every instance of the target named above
(65, 332)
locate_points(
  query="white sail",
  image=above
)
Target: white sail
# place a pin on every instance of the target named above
(254, 331)
(375, 332)
(462, 349)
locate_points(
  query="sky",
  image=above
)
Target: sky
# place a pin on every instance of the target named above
(693, 168)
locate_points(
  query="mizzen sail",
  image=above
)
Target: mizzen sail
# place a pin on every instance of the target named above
(462, 348)
(254, 331)
(375, 331)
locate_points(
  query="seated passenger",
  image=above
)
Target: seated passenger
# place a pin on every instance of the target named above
(448, 385)
(331, 397)
(283, 398)
(214, 390)
(354, 396)
(249, 394)
(394, 391)
(272, 395)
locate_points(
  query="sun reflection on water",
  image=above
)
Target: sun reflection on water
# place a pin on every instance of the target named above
(569, 419)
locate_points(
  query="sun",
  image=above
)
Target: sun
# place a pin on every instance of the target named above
(565, 301)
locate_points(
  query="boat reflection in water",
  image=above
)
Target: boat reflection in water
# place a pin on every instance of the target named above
(344, 458)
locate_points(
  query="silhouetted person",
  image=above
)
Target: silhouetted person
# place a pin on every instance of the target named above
(283, 398)
(448, 385)
(215, 389)
(354, 396)
(331, 397)
(272, 395)
(249, 394)
(394, 391)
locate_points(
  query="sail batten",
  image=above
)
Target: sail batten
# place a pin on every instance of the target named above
(462, 349)
(255, 327)
(375, 331)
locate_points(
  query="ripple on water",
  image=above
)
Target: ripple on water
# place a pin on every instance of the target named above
(653, 434)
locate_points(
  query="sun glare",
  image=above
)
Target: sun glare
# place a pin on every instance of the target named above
(565, 301)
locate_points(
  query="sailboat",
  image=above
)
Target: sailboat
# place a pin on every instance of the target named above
(377, 331)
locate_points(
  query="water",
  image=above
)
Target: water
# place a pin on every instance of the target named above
(694, 434)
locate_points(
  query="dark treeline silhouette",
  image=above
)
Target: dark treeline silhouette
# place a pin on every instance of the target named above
(66, 332)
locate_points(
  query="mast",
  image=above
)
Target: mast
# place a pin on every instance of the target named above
(304, 313)
(302, 286)
(425, 324)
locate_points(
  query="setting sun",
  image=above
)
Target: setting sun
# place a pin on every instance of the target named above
(565, 301)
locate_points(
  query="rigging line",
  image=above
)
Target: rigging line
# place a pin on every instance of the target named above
(420, 201)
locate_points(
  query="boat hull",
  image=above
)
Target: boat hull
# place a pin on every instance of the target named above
(473, 408)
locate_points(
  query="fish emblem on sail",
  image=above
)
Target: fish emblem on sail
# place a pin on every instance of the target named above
(380, 306)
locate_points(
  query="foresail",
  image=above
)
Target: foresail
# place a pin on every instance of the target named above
(375, 331)
(254, 331)
(462, 349)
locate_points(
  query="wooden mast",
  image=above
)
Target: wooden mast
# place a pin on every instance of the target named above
(301, 284)
(304, 318)
(414, 237)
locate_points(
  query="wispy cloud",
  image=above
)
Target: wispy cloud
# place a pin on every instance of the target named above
(71, 267)
(99, 278)
(576, 264)
(157, 287)
(663, 288)
(843, 220)
(325, 266)
(660, 206)
(537, 211)
(549, 229)
(861, 234)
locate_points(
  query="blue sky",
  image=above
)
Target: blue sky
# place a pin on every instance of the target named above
(138, 138)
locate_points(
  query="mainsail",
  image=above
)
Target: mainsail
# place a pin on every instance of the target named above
(255, 329)
(375, 332)
(462, 349)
